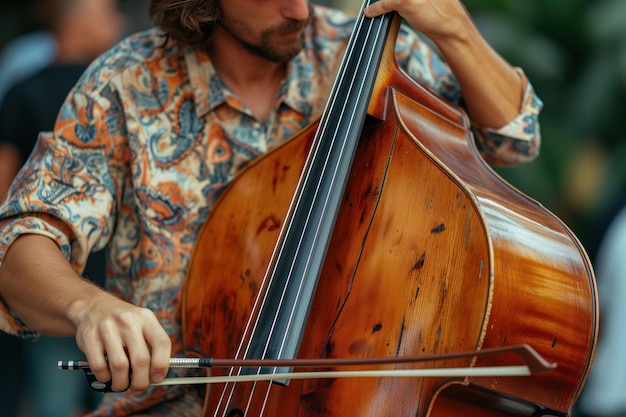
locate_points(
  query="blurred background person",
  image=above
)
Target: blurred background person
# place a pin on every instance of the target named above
(20, 58)
(23, 56)
(82, 30)
(79, 30)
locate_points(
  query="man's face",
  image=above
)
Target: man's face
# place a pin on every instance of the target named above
(264, 28)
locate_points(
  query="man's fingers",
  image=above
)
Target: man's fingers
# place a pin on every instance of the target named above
(98, 364)
(374, 10)
(130, 348)
(161, 345)
(148, 349)
(92, 344)
(118, 363)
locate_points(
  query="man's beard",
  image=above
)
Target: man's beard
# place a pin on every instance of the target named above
(279, 50)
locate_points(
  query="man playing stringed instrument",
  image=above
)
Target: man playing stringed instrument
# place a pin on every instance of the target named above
(159, 125)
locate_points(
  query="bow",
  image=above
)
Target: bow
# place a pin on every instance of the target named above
(533, 363)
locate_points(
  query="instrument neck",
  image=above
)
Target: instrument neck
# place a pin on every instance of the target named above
(299, 256)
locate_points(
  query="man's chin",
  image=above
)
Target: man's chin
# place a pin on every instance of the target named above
(281, 52)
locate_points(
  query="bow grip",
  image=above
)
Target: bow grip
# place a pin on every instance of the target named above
(96, 385)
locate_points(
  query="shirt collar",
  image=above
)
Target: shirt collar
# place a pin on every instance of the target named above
(297, 89)
(206, 85)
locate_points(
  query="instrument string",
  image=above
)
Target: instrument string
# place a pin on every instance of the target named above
(355, 85)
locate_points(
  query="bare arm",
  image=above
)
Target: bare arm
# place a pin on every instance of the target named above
(48, 295)
(491, 88)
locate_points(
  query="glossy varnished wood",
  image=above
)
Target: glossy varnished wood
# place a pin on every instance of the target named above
(432, 252)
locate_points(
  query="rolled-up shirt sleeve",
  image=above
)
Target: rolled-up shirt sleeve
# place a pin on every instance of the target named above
(65, 191)
(516, 142)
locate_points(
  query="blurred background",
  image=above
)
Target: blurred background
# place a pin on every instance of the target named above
(574, 53)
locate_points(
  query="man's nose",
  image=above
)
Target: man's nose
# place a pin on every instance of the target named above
(295, 9)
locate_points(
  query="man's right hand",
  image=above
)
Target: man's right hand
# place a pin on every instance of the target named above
(42, 289)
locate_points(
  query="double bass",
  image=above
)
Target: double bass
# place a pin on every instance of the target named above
(379, 231)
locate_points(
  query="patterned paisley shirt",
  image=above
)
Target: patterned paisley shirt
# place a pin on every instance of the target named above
(149, 137)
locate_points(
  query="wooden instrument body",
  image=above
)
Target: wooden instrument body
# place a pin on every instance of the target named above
(432, 252)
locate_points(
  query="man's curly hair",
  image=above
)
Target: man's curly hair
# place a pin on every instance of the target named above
(190, 22)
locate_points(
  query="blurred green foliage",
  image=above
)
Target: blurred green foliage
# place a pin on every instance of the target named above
(574, 52)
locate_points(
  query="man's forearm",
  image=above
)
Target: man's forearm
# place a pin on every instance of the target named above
(492, 90)
(40, 286)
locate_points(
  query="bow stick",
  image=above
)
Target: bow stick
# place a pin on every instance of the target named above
(533, 364)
